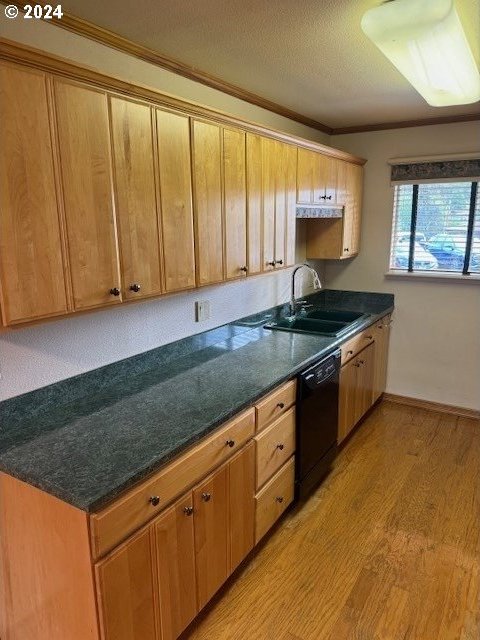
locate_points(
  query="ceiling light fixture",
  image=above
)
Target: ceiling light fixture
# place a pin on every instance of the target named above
(426, 42)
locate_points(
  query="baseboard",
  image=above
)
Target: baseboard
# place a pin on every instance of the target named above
(432, 406)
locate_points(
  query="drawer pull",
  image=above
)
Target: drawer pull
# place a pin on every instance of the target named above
(350, 353)
(368, 337)
(281, 446)
(206, 497)
(154, 501)
(230, 443)
(188, 511)
(279, 499)
(281, 405)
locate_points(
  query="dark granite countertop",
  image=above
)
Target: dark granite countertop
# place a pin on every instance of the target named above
(89, 438)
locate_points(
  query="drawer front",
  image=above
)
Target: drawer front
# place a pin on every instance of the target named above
(273, 499)
(276, 403)
(126, 515)
(274, 446)
(357, 343)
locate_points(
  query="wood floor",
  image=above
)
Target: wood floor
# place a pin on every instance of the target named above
(388, 548)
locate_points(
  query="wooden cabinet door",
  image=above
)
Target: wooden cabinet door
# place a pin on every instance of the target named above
(357, 187)
(347, 399)
(291, 205)
(175, 559)
(269, 166)
(307, 167)
(126, 591)
(280, 158)
(331, 178)
(32, 277)
(235, 203)
(254, 203)
(207, 183)
(210, 502)
(84, 144)
(364, 392)
(352, 212)
(175, 178)
(135, 193)
(382, 338)
(241, 498)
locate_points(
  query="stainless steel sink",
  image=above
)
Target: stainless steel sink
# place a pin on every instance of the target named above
(319, 322)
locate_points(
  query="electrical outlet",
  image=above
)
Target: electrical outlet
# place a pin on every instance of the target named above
(202, 310)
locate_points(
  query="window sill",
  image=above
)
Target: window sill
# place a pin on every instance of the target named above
(436, 277)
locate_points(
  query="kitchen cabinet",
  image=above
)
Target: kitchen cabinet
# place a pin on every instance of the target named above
(241, 489)
(126, 591)
(235, 203)
(135, 194)
(382, 339)
(33, 277)
(254, 170)
(173, 535)
(87, 187)
(316, 178)
(339, 238)
(356, 390)
(176, 207)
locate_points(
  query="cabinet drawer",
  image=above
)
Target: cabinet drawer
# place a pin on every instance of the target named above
(273, 499)
(116, 522)
(274, 446)
(276, 403)
(357, 343)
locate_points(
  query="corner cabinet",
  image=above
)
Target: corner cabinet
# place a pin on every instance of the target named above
(112, 193)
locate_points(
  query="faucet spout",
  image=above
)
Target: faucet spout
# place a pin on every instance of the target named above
(316, 284)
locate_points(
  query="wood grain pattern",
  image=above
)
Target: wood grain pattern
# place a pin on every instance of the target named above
(291, 203)
(268, 188)
(241, 501)
(47, 590)
(274, 499)
(136, 205)
(254, 203)
(274, 446)
(36, 58)
(32, 280)
(175, 562)
(212, 553)
(346, 399)
(235, 203)
(173, 137)
(382, 338)
(84, 144)
(364, 391)
(280, 160)
(395, 557)
(418, 403)
(114, 523)
(125, 583)
(207, 188)
(306, 165)
(272, 406)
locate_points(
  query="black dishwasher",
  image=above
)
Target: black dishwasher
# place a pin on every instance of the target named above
(317, 422)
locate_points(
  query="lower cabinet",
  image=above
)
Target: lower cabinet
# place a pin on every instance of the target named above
(356, 390)
(154, 584)
(382, 339)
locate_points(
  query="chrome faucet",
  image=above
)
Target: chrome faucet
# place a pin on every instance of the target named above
(316, 284)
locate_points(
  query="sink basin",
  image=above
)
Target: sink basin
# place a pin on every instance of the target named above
(336, 316)
(324, 323)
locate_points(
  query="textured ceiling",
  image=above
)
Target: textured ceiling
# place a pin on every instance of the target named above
(308, 55)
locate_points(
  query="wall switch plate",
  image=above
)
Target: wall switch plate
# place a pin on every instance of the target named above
(202, 310)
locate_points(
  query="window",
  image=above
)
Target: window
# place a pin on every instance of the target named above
(436, 219)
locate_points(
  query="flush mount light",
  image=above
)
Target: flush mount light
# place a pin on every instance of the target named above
(426, 42)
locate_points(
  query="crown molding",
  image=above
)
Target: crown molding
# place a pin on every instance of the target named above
(404, 124)
(110, 39)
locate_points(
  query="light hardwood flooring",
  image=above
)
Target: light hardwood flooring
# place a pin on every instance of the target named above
(388, 548)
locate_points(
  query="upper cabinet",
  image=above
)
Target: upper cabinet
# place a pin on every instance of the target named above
(135, 196)
(32, 267)
(110, 196)
(87, 187)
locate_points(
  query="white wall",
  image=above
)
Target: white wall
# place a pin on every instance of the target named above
(435, 346)
(33, 357)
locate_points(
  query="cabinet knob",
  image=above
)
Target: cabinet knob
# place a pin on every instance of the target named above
(281, 446)
(281, 405)
(346, 249)
(368, 337)
(206, 497)
(279, 499)
(230, 443)
(350, 353)
(244, 269)
(328, 197)
(188, 511)
(154, 501)
(278, 261)
(135, 287)
(271, 263)
(115, 291)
